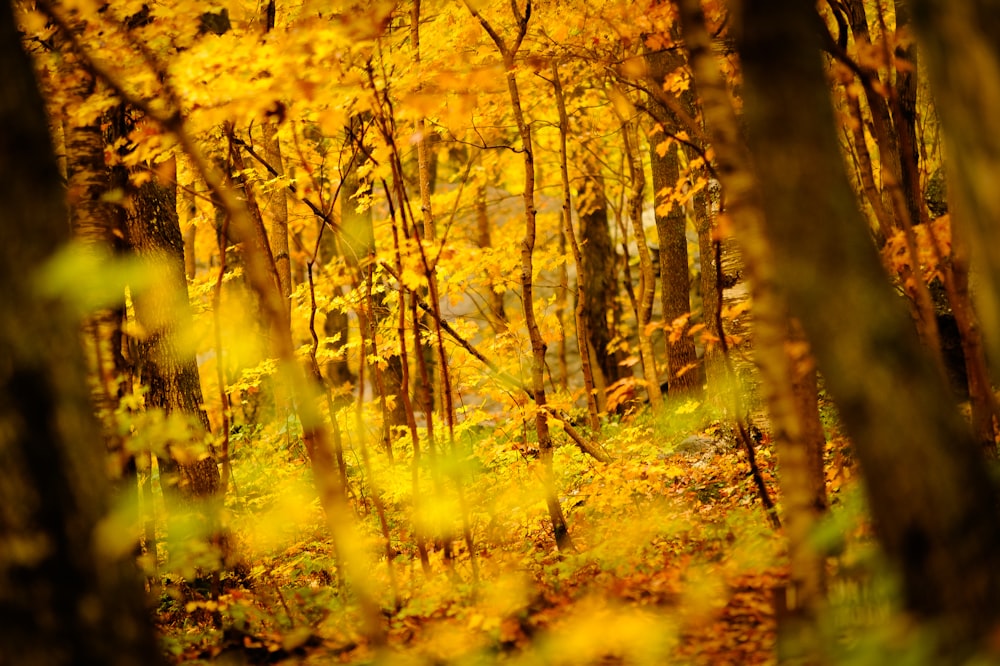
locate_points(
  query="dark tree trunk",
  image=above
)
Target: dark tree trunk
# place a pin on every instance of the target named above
(597, 278)
(933, 502)
(62, 600)
(171, 372)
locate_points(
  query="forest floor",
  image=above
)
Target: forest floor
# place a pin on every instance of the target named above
(675, 562)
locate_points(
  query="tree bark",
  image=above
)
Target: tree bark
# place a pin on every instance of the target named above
(497, 313)
(705, 203)
(357, 245)
(153, 232)
(963, 61)
(68, 592)
(277, 202)
(597, 282)
(671, 230)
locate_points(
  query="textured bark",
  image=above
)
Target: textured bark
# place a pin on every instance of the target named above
(277, 207)
(671, 230)
(62, 600)
(715, 371)
(153, 232)
(597, 281)
(277, 202)
(932, 499)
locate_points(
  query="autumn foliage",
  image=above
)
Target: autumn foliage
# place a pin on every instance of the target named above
(468, 332)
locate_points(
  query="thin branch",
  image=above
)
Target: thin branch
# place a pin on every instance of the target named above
(590, 448)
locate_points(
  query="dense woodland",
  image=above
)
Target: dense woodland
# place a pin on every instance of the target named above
(538, 332)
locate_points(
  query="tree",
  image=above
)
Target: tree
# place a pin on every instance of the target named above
(931, 497)
(671, 231)
(508, 51)
(962, 61)
(67, 591)
(597, 281)
(163, 312)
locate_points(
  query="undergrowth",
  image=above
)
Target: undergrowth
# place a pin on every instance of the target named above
(674, 561)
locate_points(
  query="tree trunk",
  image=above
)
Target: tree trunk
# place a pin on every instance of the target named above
(357, 238)
(570, 235)
(95, 224)
(277, 206)
(66, 597)
(647, 280)
(277, 203)
(794, 420)
(963, 61)
(163, 312)
(497, 314)
(560, 530)
(705, 203)
(932, 499)
(597, 282)
(671, 230)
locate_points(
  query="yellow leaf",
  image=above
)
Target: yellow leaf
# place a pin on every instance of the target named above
(411, 279)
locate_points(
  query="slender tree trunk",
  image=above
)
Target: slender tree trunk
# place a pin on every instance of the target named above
(357, 243)
(866, 171)
(277, 203)
(715, 371)
(570, 235)
(497, 314)
(878, 105)
(647, 280)
(65, 599)
(559, 528)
